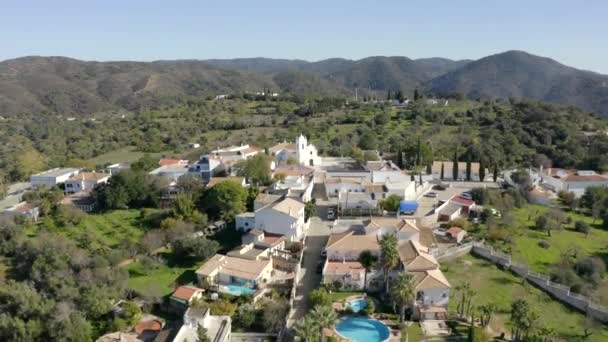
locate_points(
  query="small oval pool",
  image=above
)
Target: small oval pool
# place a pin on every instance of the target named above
(357, 304)
(360, 329)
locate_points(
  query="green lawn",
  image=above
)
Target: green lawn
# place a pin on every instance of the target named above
(340, 295)
(162, 280)
(493, 285)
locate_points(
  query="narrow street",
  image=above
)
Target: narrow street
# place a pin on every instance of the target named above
(309, 279)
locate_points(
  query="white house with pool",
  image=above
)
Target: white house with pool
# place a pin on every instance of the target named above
(235, 275)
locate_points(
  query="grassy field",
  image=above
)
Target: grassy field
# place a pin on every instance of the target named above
(161, 280)
(526, 248)
(493, 285)
(109, 229)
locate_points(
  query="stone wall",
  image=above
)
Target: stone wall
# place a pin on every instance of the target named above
(558, 291)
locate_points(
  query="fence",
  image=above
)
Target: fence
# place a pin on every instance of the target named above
(284, 332)
(558, 291)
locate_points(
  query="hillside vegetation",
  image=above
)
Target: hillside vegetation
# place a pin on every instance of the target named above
(65, 86)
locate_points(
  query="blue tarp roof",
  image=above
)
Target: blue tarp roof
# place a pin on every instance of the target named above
(408, 206)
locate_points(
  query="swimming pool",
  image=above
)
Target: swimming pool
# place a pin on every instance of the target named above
(357, 304)
(237, 290)
(359, 329)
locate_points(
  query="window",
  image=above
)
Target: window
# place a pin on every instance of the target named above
(445, 295)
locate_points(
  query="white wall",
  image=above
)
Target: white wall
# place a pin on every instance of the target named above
(276, 222)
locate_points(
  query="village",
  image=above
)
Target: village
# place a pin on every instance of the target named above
(363, 231)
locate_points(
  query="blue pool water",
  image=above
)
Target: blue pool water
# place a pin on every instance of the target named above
(357, 304)
(359, 329)
(238, 290)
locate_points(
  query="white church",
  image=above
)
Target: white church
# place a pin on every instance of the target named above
(306, 153)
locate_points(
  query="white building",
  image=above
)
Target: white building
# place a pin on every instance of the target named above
(285, 217)
(306, 153)
(573, 181)
(53, 177)
(170, 172)
(85, 181)
(219, 328)
(25, 209)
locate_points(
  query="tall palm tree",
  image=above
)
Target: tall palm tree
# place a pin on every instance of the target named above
(325, 317)
(307, 329)
(368, 261)
(403, 292)
(390, 256)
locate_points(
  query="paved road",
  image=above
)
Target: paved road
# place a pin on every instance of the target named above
(14, 194)
(309, 279)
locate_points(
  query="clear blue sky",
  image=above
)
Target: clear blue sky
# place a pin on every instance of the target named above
(572, 32)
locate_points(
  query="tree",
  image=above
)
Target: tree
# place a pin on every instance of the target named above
(245, 315)
(543, 223)
(190, 183)
(442, 176)
(368, 261)
(522, 319)
(198, 247)
(388, 95)
(468, 166)
(274, 313)
(325, 317)
(391, 203)
(390, 256)
(3, 187)
(183, 207)
(582, 227)
(416, 94)
(202, 335)
(225, 199)
(495, 173)
(482, 170)
(487, 311)
(222, 307)
(256, 169)
(145, 164)
(307, 329)
(309, 210)
(403, 293)
(399, 96)
(29, 161)
(319, 297)
(455, 165)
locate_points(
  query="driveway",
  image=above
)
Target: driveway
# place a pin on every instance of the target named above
(309, 279)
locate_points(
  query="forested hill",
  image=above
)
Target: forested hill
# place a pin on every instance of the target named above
(518, 74)
(59, 85)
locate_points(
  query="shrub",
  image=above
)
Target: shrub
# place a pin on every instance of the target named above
(582, 227)
(544, 244)
(294, 247)
(319, 297)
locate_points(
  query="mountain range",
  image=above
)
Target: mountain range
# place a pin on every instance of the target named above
(62, 85)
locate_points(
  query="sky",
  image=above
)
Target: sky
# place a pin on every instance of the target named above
(572, 32)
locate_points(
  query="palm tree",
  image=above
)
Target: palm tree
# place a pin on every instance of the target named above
(403, 292)
(390, 256)
(325, 317)
(367, 260)
(307, 329)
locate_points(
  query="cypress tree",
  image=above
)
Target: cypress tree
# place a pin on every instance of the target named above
(388, 95)
(482, 170)
(429, 169)
(420, 177)
(442, 171)
(455, 165)
(468, 172)
(416, 94)
(495, 174)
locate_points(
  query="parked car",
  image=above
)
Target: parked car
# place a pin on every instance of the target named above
(431, 194)
(467, 195)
